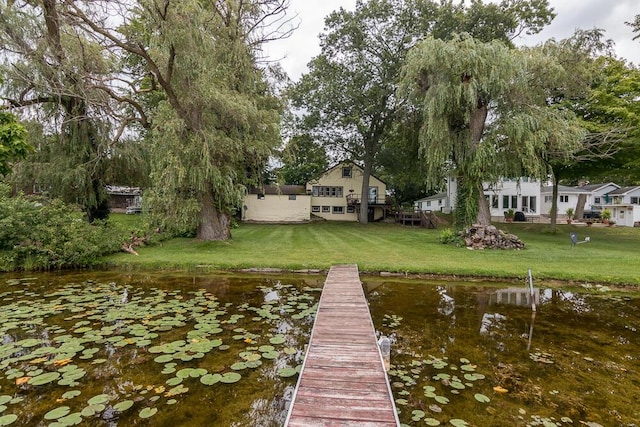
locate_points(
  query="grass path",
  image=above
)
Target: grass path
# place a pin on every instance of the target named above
(612, 256)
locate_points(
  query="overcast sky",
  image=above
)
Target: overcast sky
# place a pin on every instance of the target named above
(295, 52)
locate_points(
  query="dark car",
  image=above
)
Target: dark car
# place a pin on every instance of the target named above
(591, 215)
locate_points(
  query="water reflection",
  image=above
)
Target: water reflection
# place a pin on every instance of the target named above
(574, 358)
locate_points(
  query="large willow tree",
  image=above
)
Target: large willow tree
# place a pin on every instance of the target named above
(53, 76)
(486, 114)
(216, 119)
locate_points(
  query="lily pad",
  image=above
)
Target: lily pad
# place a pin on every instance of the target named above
(100, 398)
(210, 379)
(277, 339)
(123, 406)
(230, 377)
(5, 420)
(287, 372)
(481, 398)
(44, 378)
(147, 412)
(56, 413)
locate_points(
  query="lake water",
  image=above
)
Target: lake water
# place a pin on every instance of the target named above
(478, 354)
(110, 349)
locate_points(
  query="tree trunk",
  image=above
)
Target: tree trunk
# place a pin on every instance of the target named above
(213, 224)
(554, 204)
(484, 213)
(363, 216)
(582, 200)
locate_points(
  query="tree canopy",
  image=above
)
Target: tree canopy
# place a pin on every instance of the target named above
(486, 114)
(182, 76)
(13, 142)
(349, 97)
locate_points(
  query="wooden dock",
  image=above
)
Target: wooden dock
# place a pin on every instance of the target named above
(343, 381)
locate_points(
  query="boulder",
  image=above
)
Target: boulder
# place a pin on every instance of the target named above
(489, 237)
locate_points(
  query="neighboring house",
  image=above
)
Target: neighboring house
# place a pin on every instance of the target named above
(124, 199)
(624, 204)
(438, 202)
(568, 197)
(520, 194)
(334, 196)
(598, 194)
(273, 203)
(589, 197)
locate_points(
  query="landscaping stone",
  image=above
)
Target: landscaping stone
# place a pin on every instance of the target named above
(489, 237)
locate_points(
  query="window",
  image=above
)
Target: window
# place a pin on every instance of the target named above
(321, 191)
(315, 208)
(351, 209)
(547, 199)
(338, 209)
(346, 172)
(564, 199)
(326, 209)
(596, 200)
(635, 200)
(514, 202)
(428, 202)
(292, 197)
(529, 204)
(505, 202)
(494, 202)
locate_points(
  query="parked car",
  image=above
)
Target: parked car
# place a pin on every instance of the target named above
(593, 214)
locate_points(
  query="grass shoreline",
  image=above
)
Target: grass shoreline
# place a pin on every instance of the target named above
(389, 250)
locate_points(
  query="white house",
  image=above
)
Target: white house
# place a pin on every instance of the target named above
(520, 194)
(624, 204)
(568, 197)
(597, 194)
(437, 202)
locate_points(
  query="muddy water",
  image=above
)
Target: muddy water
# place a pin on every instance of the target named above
(462, 354)
(479, 355)
(158, 350)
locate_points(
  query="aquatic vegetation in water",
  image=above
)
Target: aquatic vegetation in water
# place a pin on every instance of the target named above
(473, 354)
(115, 352)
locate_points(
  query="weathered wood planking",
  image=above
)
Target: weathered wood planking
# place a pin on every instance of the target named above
(343, 381)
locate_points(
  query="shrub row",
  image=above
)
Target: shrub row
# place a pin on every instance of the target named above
(40, 234)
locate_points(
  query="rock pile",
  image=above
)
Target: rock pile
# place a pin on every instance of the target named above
(489, 237)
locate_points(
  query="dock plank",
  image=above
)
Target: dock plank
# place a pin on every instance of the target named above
(343, 381)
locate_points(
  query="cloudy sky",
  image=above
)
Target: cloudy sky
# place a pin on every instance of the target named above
(610, 15)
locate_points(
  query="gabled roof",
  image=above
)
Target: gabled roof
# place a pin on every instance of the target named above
(595, 187)
(433, 197)
(564, 189)
(624, 190)
(344, 164)
(279, 189)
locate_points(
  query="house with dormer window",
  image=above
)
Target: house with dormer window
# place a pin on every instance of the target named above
(334, 196)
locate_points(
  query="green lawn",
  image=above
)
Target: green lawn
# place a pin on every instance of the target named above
(612, 256)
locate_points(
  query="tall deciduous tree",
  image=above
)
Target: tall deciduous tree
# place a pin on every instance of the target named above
(53, 73)
(303, 159)
(218, 119)
(13, 142)
(349, 96)
(611, 114)
(349, 93)
(486, 112)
